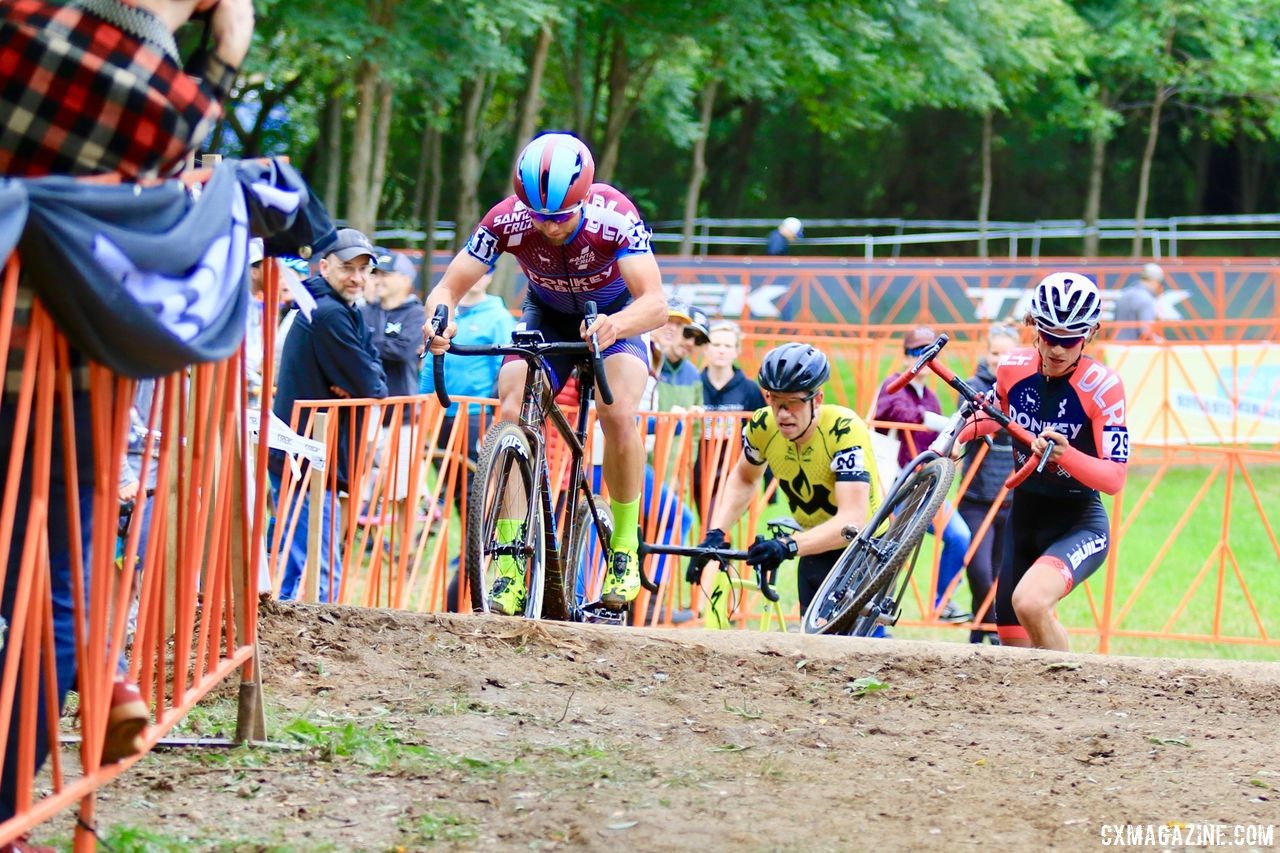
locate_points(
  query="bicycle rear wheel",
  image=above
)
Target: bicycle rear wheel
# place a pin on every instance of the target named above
(869, 566)
(585, 558)
(508, 492)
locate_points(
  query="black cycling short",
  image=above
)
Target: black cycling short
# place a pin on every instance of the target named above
(1074, 531)
(811, 571)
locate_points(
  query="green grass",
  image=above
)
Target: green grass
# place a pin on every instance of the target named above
(1186, 553)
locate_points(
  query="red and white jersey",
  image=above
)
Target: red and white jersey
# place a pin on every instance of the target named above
(585, 267)
(1087, 406)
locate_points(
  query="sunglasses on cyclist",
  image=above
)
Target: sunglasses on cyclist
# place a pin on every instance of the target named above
(1056, 341)
(916, 352)
(562, 216)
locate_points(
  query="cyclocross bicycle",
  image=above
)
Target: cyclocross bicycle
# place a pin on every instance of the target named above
(863, 589)
(563, 574)
(729, 589)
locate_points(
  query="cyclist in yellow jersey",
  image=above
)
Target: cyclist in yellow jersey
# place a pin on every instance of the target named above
(822, 458)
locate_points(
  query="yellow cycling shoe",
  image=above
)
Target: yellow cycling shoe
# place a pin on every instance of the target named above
(622, 581)
(507, 595)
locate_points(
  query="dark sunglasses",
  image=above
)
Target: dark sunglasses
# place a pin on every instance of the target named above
(562, 216)
(916, 352)
(694, 335)
(1065, 343)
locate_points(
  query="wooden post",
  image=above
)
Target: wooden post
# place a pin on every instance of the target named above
(315, 515)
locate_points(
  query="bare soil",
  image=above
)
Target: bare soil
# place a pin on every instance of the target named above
(467, 732)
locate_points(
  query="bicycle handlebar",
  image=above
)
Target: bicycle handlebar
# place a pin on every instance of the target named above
(1035, 464)
(440, 320)
(723, 556)
(438, 323)
(589, 316)
(926, 358)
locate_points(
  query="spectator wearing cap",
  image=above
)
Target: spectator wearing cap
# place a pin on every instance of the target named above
(787, 232)
(329, 353)
(679, 383)
(916, 403)
(395, 318)
(1137, 306)
(725, 388)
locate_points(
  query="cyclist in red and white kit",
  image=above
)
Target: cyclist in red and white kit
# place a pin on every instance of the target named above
(576, 241)
(1076, 406)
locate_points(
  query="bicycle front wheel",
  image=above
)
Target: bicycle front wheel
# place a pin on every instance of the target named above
(584, 562)
(868, 566)
(505, 533)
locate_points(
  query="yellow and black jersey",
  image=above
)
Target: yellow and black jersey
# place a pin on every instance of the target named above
(838, 451)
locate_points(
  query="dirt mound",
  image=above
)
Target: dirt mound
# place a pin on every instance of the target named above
(409, 731)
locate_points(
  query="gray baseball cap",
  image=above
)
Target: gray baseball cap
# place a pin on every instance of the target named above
(395, 262)
(351, 244)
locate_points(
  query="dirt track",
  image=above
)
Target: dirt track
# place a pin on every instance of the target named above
(510, 735)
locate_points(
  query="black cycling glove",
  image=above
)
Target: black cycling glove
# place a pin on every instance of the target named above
(715, 539)
(767, 554)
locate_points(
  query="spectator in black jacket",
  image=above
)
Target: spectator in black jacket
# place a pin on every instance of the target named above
(329, 353)
(725, 388)
(987, 483)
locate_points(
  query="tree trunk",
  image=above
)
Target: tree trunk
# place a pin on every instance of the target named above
(1250, 155)
(621, 106)
(469, 159)
(362, 133)
(333, 150)
(531, 105)
(382, 137)
(1093, 197)
(433, 197)
(420, 174)
(698, 167)
(1144, 174)
(984, 201)
(737, 162)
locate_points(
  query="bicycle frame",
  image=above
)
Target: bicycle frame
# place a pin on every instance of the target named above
(538, 408)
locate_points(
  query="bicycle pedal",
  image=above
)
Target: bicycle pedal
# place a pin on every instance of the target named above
(596, 613)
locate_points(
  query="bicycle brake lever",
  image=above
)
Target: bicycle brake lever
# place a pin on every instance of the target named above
(589, 316)
(438, 323)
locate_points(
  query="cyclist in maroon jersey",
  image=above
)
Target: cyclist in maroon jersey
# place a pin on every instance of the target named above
(1076, 405)
(576, 241)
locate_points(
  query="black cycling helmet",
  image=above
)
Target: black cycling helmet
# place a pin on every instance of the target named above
(794, 369)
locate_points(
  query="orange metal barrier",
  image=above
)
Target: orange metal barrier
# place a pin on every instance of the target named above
(693, 453)
(195, 587)
(1212, 299)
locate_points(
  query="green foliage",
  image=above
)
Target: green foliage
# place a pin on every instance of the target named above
(822, 107)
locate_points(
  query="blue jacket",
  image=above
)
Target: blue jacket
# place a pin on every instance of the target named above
(489, 322)
(330, 350)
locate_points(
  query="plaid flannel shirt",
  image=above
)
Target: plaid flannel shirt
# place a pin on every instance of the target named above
(80, 96)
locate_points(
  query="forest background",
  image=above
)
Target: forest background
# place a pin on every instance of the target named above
(405, 112)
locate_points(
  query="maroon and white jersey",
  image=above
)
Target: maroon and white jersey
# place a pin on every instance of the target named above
(585, 267)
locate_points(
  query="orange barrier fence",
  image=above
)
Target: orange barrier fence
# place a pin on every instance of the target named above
(1192, 588)
(1205, 299)
(191, 579)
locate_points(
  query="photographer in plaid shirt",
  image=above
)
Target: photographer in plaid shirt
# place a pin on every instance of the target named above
(89, 87)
